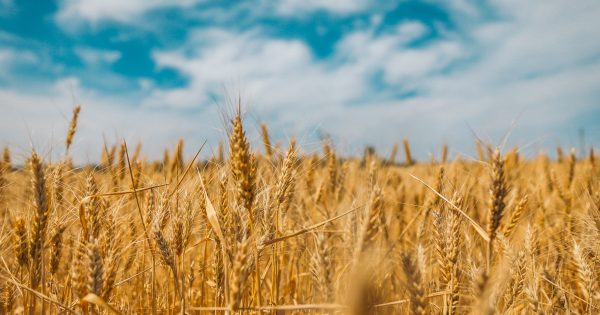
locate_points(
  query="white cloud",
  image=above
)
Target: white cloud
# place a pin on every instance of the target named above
(522, 68)
(220, 56)
(392, 54)
(72, 12)
(95, 57)
(10, 56)
(411, 30)
(292, 7)
(282, 73)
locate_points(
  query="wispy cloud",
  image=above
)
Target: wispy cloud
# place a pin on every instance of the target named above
(295, 7)
(95, 11)
(96, 57)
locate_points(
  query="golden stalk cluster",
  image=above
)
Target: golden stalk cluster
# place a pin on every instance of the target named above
(286, 232)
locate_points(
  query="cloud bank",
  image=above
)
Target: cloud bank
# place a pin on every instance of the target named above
(437, 72)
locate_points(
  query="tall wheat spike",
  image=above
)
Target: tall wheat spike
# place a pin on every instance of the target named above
(72, 127)
(498, 192)
(40, 218)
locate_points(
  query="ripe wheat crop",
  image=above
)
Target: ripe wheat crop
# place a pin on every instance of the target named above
(271, 229)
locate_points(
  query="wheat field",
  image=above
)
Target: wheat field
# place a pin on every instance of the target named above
(270, 229)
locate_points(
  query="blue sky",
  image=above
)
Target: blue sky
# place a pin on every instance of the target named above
(361, 72)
